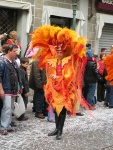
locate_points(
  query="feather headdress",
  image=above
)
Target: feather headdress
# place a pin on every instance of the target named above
(48, 37)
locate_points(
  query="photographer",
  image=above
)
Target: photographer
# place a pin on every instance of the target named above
(3, 36)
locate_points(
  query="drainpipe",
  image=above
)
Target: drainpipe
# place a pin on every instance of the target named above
(74, 4)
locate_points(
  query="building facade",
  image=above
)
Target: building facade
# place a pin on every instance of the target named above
(100, 24)
(92, 21)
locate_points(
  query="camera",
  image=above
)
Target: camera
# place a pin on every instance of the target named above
(5, 34)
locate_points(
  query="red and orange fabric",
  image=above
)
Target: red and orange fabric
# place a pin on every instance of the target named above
(109, 68)
(66, 89)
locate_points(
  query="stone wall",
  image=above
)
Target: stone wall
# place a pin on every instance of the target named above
(37, 8)
(91, 23)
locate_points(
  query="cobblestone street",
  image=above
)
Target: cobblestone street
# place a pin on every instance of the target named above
(80, 133)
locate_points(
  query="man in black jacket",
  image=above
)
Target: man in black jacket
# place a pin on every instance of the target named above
(36, 82)
(90, 78)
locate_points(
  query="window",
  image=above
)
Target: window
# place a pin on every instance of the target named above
(8, 20)
(61, 21)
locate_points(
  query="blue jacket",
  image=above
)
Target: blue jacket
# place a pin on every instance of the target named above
(5, 75)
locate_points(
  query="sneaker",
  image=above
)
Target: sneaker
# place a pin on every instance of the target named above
(3, 132)
(41, 116)
(10, 130)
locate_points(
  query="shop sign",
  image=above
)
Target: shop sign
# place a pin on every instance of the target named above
(104, 5)
(108, 2)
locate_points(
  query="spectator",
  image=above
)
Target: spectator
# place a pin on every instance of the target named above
(3, 46)
(10, 85)
(109, 93)
(102, 81)
(36, 82)
(89, 53)
(103, 50)
(23, 72)
(90, 78)
(13, 40)
(2, 36)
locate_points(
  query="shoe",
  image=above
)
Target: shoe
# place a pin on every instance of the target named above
(41, 116)
(13, 114)
(53, 133)
(3, 132)
(11, 130)
(59, 135)
(110, 106)
(92, 108)
(79, 114)
(33, 110)
(99, 100)
(106, 105)
(45, 114)
(13, 124)
(23, 119)
(52, 121)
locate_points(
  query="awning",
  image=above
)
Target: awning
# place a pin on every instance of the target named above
(101, 19)
(62, 12)
(19, 5)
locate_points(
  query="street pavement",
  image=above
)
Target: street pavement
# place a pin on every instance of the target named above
(80, 132)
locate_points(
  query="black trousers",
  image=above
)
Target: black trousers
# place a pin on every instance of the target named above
(59, 120)
(100, 92)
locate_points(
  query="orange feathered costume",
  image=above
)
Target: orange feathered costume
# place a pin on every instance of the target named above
(66, 89)
(109, 68)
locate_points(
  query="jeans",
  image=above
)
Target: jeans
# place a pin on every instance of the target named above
(90, 92)
(6, 114)
(39, 99)
(109, 96)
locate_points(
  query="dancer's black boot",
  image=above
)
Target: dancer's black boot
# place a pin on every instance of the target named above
(56, 130)
(62, 117)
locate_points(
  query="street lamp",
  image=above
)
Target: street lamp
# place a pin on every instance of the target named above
(74, 14)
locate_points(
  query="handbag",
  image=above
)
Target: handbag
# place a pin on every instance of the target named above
(19, 106)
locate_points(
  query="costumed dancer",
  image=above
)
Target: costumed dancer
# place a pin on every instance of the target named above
(109, 68)
(62, 53)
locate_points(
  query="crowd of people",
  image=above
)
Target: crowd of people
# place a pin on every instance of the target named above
(96, 87)
(14, 81)
(54, 86)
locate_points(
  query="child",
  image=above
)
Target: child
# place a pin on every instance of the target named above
(24, 62)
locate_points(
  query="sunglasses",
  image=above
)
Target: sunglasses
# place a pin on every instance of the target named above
(10, 46)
